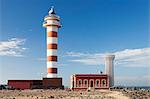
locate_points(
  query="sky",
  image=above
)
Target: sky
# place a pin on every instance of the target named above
(90, 29)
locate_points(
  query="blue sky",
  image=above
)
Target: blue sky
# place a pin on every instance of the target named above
(90, 28)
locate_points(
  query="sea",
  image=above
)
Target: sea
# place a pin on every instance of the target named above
(145, 87)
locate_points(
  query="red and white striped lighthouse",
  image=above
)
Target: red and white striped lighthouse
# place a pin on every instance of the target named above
(51, 23)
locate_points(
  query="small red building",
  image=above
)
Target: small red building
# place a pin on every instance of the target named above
(45, 83)
(24, 84)
(85, 81)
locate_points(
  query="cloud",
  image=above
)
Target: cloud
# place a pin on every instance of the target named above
(12, 47)
(127, 57)
(133, 57)
(86, 58)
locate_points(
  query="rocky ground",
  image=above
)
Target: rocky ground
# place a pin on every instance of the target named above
(137, 94)
(64, 94)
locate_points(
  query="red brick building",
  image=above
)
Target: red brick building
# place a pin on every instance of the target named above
(85, 81)
(45, 83)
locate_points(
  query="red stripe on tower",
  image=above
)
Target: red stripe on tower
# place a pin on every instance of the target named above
(52, 34)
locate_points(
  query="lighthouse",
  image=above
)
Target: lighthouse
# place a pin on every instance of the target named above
(52, 24)
(109, 68)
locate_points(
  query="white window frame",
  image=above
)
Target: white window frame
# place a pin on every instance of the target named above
(97, 86)
(90, 83)
(102, 83)
(84, 83)
(79, 85)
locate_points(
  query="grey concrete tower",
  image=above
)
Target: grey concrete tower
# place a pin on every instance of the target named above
(109, 68)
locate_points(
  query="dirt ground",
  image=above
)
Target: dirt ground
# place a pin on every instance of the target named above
(60, 94)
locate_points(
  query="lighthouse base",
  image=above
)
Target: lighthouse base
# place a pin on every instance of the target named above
(52, 83)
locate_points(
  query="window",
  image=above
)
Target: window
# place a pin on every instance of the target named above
(79, 84)
(97, 83)
(85, 83)
(103, 83)
(91, 83)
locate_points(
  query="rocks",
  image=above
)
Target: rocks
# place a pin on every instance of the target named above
(137, 94)
(65, 94)
(51, 96)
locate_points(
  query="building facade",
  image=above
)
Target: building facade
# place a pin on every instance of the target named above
(86, 81)
(45, 83)
(25, 84)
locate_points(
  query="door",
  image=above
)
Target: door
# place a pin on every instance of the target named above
(91, 83)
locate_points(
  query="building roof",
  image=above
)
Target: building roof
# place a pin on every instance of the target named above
(88, 75)
(22, 80)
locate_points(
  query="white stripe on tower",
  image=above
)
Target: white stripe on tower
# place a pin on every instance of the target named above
(52, 24)
(52, 40)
